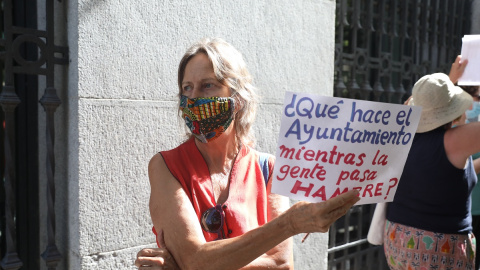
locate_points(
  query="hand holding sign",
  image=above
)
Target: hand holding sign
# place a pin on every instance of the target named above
(328, 146)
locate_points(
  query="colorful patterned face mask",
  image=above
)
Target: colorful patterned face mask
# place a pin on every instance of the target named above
(207, 118)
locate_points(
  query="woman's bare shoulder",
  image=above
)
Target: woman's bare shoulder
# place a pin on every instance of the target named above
(156, 160)
(158, 172)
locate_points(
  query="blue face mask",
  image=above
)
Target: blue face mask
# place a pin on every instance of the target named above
(474, 112)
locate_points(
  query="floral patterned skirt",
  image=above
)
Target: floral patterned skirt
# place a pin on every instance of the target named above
(414, 249)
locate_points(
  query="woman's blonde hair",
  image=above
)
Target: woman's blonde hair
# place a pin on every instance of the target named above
(230, 70)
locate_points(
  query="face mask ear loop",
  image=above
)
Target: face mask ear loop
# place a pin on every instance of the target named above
(238, 105)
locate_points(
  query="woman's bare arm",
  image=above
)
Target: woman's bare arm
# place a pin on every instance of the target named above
(461, 142)
(172, 212)
(457, 69)
(280, 256)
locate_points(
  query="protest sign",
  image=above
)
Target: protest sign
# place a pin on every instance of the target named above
(471, 52)
(329, 145)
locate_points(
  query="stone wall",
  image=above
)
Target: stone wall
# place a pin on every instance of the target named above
(120, 105)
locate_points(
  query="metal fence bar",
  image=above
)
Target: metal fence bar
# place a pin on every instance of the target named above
(348, 245)
(50, 103)
(14, 39)
(9, 101)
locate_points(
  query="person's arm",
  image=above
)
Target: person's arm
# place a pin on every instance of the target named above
(172, 212)
(476, 165)
(280, 256)
(156, 258)
(457, 69)
(461, 142)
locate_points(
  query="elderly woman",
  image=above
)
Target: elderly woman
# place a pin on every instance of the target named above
(209, 196)
(429, 223)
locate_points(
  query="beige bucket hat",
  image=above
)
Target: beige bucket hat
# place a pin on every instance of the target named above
(441, 101)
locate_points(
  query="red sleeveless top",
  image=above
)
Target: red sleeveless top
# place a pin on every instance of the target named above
(246, 206)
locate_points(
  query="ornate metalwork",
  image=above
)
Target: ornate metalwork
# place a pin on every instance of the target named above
(14, 38)
(381, 48)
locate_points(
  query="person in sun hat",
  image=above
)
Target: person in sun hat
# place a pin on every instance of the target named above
(442, 102)
(211, 202)
(472, 115)
(429, 221)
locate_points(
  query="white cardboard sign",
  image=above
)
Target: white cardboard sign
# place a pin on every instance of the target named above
(329, 145)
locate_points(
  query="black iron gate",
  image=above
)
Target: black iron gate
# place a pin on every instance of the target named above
(26, 53)
(381, 48)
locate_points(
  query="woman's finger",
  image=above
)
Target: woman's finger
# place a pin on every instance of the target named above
(342, 200)
(154, 252)
(155, 257)
(340, 211)
(336, 207)
(149, 261)
(151, 268)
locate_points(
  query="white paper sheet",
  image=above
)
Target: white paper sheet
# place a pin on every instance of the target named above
(471, 52)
